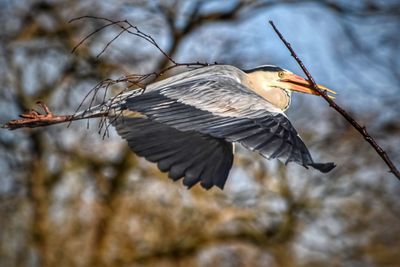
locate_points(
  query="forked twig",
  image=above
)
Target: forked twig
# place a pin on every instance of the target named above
(361, 129)
(33, 118)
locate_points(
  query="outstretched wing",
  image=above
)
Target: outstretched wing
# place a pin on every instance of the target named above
(194, 156)
(223, 108)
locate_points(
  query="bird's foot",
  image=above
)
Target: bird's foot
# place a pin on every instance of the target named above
(34, 118)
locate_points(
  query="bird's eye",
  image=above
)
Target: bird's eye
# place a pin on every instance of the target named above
(280, 74)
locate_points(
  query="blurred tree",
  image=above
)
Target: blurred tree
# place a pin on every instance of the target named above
(69, 198)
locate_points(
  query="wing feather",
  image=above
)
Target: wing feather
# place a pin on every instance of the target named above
(223, 108)
(188, 155)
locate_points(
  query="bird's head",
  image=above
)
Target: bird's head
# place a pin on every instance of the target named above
(276, 84)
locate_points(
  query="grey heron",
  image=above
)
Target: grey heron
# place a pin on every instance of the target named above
(188, 123)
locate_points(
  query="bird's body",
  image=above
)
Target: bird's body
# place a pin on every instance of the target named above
(187, 123)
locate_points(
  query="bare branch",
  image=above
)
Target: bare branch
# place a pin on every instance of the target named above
(361, 129)
(33, 118)
(135, 83)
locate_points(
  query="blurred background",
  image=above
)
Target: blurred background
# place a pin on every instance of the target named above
(69, 197)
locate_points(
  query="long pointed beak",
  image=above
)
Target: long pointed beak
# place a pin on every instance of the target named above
(299, 84)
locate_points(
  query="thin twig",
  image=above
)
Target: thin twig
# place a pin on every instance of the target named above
(33, 119)
(361, 129)
(122, 24)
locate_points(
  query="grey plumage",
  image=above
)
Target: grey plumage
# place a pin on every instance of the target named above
(188, 123)
(194, 156)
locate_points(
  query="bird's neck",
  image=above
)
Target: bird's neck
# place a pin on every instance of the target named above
(274, 95)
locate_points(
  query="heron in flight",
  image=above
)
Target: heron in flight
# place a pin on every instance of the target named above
(188, 123)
